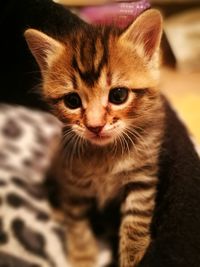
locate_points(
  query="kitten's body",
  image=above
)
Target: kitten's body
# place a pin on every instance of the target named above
(103, 85)
(127, 179)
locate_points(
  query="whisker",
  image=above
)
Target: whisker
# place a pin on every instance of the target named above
(73, 150)
(121, 144)
(131, 141)
(142, 143)
(114, 147)
(126, 143)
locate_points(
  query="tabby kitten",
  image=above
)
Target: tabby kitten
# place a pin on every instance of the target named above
(102, 84)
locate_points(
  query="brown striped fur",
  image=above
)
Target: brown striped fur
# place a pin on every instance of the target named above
(92, 61)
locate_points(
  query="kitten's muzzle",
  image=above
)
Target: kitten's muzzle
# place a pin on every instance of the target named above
(97, 135)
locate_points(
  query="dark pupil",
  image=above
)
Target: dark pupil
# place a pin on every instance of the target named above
(118, 96)
(72, 100)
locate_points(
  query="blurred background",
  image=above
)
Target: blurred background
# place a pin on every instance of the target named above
(180, 79)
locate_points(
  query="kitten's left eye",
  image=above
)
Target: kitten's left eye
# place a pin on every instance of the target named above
(118, 96)
(72, 101)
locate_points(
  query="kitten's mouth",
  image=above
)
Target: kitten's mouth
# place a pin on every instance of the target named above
(100, 139)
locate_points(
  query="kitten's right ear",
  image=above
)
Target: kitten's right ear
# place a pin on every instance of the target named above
(43, 47)
(145, 32)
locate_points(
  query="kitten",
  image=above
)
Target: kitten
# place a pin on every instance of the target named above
(102, 83)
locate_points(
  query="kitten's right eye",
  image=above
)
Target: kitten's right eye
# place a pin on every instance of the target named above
(72, 101)
(118, 96)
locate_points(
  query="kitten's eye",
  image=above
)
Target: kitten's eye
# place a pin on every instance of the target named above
(72, 101)
(118, 96)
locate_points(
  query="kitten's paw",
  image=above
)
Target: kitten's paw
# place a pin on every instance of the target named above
(83, 263)
(85, 257)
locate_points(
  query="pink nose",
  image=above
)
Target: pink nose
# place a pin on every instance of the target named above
(95, 130)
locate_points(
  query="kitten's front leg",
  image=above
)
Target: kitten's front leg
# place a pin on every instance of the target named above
(137, 211)
(82, 249)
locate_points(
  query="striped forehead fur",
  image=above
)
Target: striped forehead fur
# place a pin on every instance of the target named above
(90, 52)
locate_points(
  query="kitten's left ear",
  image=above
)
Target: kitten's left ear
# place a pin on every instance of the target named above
(43, 47)
(145, 32)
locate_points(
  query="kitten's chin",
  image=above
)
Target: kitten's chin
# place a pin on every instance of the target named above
(100, 140)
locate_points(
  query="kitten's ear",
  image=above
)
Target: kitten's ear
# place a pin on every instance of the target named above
(145, 32)
(43, 47)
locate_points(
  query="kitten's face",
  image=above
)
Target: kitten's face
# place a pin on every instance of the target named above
(99, 83)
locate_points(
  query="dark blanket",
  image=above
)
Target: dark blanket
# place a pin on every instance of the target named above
(19, 73)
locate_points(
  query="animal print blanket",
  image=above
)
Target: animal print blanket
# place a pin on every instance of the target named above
(30, 235)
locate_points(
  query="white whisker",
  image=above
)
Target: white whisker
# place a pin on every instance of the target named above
(141, 142)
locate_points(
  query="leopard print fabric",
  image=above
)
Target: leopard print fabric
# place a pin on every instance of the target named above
(29, 235)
